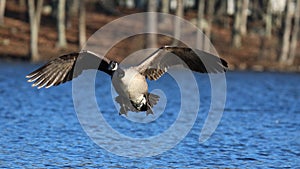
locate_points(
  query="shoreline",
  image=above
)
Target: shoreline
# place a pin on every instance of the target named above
(257, 53)
(243, 68)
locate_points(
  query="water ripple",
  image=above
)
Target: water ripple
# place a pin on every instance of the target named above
(259, 128)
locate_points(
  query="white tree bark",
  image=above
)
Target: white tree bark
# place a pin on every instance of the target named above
(200, 24)
(74, 7)
(210, 17)
(82, 23)
(2, 11)
(177, 28)
(34, 19)
(244, 17)
(287, 33)
(268, 20)
(295, 33)
(61, 21)
(151, 41)
(165, 6)
(200, 14)
(236, 31)
(72, 12)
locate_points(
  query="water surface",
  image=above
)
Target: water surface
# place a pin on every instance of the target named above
(260, 127)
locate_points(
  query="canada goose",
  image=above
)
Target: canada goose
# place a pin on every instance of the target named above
(130, 83)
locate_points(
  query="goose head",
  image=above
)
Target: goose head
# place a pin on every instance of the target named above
(117, 71)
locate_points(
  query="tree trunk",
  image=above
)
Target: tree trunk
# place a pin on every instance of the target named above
(177, 28)
(22, 3)
(165, 21)
(151, 41)
(210, 17)
(200, 14)
(74, 7)
(2, 11)
(236, 31)
(287, 33)
(268, 19)
(294, 39)
(165, 6)
(244, 17)
(220, 9)
(200, 24)
(230, 7)
(71, 12)
(61, 20)
(34, 19)
(82, 23)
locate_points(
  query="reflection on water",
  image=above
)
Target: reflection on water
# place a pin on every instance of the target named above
(259, 128)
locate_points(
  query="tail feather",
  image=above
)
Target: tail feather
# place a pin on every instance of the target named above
(152, 99)
(126, 105)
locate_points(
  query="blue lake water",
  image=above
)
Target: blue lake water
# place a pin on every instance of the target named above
(260, 127)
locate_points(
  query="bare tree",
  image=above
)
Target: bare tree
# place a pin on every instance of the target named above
(34, 19)
(82, 23)
(22, 3)
(200, 14)
(2, 11)
(74, 7)
(72, 11)
(244, 17)
(210, 17)
(200, 23)
(268, 20)
(152, 24)
(287, 33)
(294, 39)
(236, 31)
(165, 6)
(220, 8)
(177, 28)
(61, 20)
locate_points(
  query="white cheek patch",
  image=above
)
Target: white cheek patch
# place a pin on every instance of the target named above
(115, 67)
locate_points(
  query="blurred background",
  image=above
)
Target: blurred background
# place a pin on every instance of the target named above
(255, 35)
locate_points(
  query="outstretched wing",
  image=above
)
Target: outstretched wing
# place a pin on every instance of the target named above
(63, 69)
(154, 66)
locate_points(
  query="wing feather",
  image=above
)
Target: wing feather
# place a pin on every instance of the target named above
(156, 64)
(63, 69)
(52, 78)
